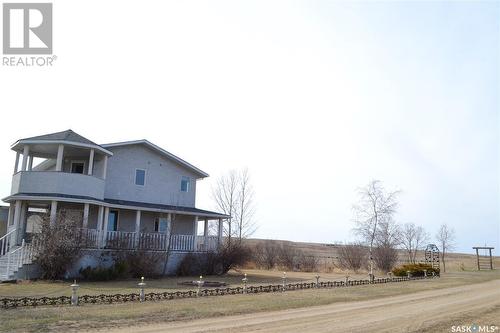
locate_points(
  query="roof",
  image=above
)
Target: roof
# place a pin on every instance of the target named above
(121, 204)
(163, 207)
(160, 150)
(68, 137)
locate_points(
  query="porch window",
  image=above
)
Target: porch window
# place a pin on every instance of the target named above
(77, 167)
(161, 225)
(185, 184)
(113, 220)
(140, 177)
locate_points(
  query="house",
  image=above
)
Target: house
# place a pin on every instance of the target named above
(128, 196)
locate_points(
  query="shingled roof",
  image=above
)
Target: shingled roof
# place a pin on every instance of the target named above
(67, 135)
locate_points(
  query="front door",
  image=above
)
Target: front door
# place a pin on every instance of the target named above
(113, 220)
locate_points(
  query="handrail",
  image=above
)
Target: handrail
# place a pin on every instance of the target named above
(5, 242)
(24, 254)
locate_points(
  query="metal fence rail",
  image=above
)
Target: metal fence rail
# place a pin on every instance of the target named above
(133, 297)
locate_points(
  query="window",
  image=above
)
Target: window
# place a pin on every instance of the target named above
(113, 220)
(140, 177)
(185, 184)
(161, 225)
(77, 167)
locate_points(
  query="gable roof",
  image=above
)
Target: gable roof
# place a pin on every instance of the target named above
(161, 151)
(68, 137)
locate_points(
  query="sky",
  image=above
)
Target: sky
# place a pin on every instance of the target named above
(315, 98)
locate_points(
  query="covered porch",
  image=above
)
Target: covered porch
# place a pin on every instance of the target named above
(122, 226)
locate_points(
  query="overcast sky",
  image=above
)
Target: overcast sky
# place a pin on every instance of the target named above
(315, 98)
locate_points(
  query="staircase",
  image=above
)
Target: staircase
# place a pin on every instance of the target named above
(13, 257)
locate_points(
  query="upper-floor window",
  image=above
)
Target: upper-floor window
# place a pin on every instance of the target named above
(185, 184)
(77, 166)
(140, 177)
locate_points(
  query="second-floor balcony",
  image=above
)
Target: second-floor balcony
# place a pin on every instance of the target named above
(54, 182)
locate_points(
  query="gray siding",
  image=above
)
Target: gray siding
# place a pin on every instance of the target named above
(163, 177)
(57, 182)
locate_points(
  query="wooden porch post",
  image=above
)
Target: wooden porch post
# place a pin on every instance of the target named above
(30, 163)
(16, 165)
(22, 222)
(219, 231)
(17, 218)
(205, 228)
(60, 155)
(10, 218)
(90, 171)
(105, 226)
(195, 233)
(100, 217)
(26, 153)
(86, 208)
(137, 227)
(53, 213)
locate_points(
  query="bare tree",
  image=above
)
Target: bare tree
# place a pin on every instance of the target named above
(385, 253)
(375, 206)
(352, 256)
(224, 193)
(245, 208)
(234, 196)
(413, 239)
(266, 254)
(446, 238)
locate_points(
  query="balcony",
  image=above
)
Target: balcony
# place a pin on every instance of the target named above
(54, 182)
(122, 240)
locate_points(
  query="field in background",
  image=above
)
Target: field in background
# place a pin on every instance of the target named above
(328, 256)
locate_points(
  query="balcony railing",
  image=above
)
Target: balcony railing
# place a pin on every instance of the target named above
(123, 240)
(52, 182)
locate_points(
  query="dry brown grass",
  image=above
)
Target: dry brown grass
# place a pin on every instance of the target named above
(45, 319)
(328, 254)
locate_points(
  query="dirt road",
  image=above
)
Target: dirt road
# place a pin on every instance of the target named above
(406, 313)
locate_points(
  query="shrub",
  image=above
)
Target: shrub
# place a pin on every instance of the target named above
(415, 270)
(352, 256)
(214, 263)
(142, 263)
(117, 271)
(265, 255)
(190, 265)
(385, 257)
(307, 263)
(288, 257)
(58, 245)
(232, 255)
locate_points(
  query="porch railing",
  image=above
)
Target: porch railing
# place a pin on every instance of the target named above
(92, 238)
(6, 242)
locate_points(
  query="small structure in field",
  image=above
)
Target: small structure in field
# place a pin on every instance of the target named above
(484, 261)
(432, 255)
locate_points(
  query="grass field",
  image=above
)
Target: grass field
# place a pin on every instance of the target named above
(88, 317)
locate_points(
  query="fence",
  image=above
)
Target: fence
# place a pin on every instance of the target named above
(141, 296)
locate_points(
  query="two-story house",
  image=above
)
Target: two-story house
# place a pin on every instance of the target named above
(127, 195)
